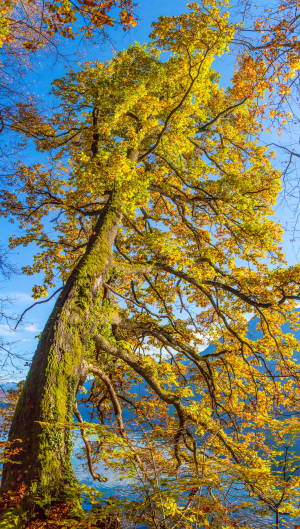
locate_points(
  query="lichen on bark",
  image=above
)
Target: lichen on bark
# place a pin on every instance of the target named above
(47, 398)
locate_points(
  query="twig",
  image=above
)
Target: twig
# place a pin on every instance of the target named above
(36, 303)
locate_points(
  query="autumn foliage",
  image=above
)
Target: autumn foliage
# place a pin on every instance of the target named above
(34, 23)
(161, 198)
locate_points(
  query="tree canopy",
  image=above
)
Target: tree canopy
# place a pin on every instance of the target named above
(154, 208)
(37, 32)
(32, 25)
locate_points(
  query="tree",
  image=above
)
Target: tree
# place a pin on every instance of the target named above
(161, 197)
(36, 30)
(30, 25)
(268, 40)
(27, 27)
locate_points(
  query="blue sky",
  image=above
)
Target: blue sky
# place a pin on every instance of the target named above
(19, 287)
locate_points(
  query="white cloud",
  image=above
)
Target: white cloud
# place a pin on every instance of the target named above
(202, 347)
(153, 351)
(204, 339)
(5, 330)
(20, 298)
(32, 328)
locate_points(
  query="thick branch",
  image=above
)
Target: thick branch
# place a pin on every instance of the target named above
(168, 396)
(117, 408)
(227, 111)
(169, 117)
(87, 445)
(151, 267)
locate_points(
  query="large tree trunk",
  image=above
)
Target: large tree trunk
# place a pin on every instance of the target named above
(51, 384)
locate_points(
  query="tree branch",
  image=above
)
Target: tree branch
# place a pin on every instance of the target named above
(87, 446)
(117, 409)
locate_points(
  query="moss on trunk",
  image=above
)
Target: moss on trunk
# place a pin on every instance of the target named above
(44, 464)
(13, 519)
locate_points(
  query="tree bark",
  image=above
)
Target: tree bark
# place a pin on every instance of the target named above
(44, 464)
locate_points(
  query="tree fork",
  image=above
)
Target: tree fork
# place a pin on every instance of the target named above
(44, 465)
